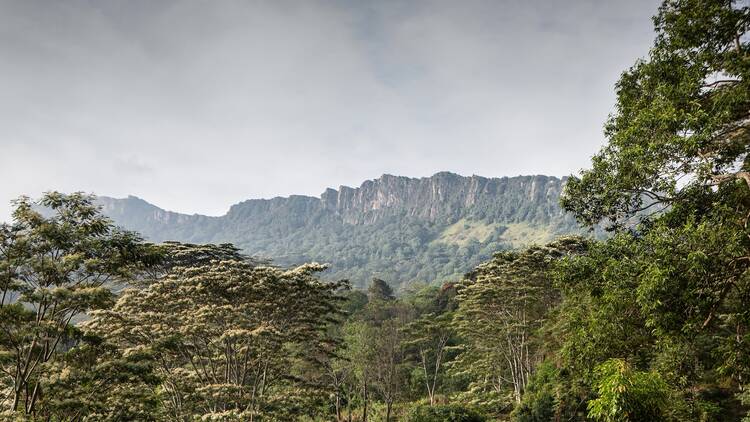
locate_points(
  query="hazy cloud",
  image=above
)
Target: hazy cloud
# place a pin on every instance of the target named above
(195, 105)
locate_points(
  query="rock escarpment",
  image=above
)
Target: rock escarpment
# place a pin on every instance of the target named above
(393, 227)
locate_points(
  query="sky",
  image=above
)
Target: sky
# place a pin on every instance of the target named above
(195, 105)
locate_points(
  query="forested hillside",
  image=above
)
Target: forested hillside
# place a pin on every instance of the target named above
(397, 228)
(651, 323)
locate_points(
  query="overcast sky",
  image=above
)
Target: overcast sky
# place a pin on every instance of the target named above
(196, 105)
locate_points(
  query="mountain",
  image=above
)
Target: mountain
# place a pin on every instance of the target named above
(400, 229)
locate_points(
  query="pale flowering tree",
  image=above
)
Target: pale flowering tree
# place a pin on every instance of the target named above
(227, 335)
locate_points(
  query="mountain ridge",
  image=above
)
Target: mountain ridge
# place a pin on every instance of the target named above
(390, 226)
(334, 192)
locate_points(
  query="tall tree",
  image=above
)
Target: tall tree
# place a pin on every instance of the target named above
(682, 118)
(58, 259)
(501, 305)
(388, 365)
(679, 144)
(360, 353)
(429, 339)
(227, 335)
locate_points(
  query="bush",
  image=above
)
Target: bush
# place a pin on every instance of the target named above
(444, 413)
(538, 403)
(626, 395)
(549, 396)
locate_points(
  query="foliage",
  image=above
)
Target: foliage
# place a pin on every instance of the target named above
(550, 395)
(669, 295)
(53, 270)
(681, 119)
(444, 413)
(501, 305)
(379, 290)
(226, 334)
(430, 339)
(652, 323)
(627, 395)
(98, 381)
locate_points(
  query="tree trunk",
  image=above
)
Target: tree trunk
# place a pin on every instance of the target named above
(16, 397)
(364, 410)
(430, 391)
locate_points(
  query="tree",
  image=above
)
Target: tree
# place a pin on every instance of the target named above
(625, 395)
(359, 352)
(379, 290)
(656, 299)
(176, 255)
(227, 335)
(388, 364)
(341, 368)
(428, 337)
(96, 381)
(501, 305)
(341, 374)
(56, 266)
(678, 144)
(681, 120)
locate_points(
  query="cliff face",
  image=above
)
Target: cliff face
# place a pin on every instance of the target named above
(442, 197)
(392, 218)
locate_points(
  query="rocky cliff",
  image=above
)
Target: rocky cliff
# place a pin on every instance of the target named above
(399, 228)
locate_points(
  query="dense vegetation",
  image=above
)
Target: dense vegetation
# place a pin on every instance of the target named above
(650, 324)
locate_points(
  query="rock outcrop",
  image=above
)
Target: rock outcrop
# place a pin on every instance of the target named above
(391, 218)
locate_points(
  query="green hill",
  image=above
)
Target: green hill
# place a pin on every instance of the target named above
(399, 229)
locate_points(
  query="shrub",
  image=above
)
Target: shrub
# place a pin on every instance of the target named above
(444, 413)
(626, 395)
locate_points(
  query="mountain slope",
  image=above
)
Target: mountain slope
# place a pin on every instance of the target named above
(400, 229)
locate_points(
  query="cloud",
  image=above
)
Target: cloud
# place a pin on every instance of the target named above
(196, 105)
